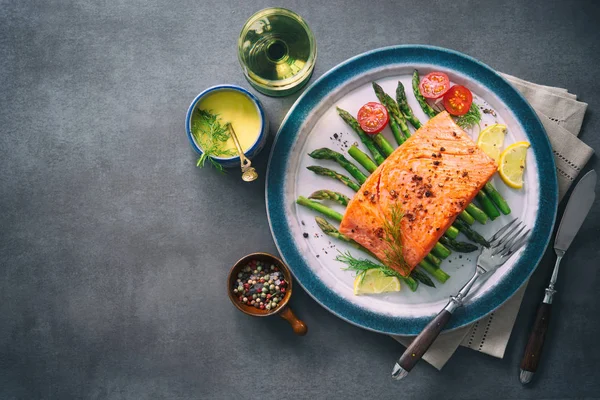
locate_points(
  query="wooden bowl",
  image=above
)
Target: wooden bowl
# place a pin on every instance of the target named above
(283, 310)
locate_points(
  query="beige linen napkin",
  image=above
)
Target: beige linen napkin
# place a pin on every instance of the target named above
(562, 116)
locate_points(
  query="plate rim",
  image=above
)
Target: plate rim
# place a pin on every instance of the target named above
(487, 303)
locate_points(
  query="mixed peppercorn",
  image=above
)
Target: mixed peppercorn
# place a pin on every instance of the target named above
(260, 285)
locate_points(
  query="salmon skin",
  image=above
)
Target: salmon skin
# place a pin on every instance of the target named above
(431, 178)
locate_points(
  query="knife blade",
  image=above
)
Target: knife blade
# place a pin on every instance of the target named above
(577, 209)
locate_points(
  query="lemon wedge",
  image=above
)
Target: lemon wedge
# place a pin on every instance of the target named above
(374, 281)
(512, 164)
(491, 139)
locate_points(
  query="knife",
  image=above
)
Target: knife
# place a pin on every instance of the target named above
(577, 209)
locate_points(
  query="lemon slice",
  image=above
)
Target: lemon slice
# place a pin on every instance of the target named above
(491, 140)
(512, 164)
(374, 281)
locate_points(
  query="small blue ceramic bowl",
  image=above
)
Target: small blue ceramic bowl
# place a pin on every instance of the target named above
(230, 162)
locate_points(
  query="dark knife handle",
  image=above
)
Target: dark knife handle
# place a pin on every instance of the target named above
(419, 346)
(535, 344)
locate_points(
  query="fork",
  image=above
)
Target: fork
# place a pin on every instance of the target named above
(506, 242)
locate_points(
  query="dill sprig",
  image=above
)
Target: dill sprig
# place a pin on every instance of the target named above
(471, 118)
(392, 235)
(362, 265)
(211, 135)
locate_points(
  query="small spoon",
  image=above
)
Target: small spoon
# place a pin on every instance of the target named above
(248, 173)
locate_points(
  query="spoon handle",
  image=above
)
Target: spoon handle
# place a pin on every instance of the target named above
(244, 161)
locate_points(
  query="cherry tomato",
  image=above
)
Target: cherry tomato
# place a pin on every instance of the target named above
(372, 117)
(457, 100)
(434, 85)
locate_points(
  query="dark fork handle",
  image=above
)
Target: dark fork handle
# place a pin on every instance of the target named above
(419, 346)
(535, 344)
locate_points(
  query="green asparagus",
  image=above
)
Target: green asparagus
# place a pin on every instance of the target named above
(405, 107)
(461, 247)
(330, 230)
(477, 213)
(419, 275)
(436, 272)
(328, 154)
(330, 195)
(433, 259)
(452, 232)
(465, 216)
(367, 141)
(470, 233)
(427, 109)
(440, 250)
(497, 198)
(316, 206)
(331, 173)
(383, 144)
(488, 206)
(397, 120)
(362, 159)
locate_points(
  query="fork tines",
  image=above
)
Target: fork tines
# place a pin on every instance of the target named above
(509, 238)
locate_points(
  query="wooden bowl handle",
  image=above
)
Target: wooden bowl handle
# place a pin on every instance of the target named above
(298, 326)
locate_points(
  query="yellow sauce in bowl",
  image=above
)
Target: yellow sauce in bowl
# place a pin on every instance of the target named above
(235, 107)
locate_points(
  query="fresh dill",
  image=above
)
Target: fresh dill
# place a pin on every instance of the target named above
(211, 135)
(392, 235)
(471, 118)
(362, 265)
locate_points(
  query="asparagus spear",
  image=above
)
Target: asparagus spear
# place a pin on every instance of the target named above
(452, 232)
(461, 247)
(331, 173)
(330, 230)
(422, 277)
(433, 259)
(405, 108)
(383, 144)
(367, 141)
(427, 109)
(397, 121)
(471, 234)
(303, 201)
(488, 207)
(362, 158)
(497, 198)
(465, 216)
(477, 213)
(436, 272)
(440, 250)
(330, 195)
(328, 154)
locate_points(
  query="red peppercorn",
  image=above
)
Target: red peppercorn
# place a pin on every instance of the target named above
(276, 269)
(282, 290)
(269, 296)
(282, 284)
(241, 298)
(262, 306)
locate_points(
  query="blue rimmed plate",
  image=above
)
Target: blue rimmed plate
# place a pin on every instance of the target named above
(313, 122)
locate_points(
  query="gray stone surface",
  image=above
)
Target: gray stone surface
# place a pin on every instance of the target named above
(114, 247)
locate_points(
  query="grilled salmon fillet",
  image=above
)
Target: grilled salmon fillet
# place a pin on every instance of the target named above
(431, 178)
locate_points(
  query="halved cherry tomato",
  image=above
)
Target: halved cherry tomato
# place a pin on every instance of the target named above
(372, 117)
(434, 85)
(457, 100)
